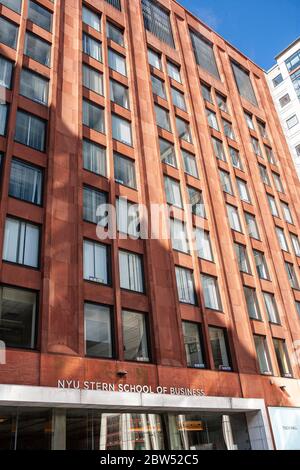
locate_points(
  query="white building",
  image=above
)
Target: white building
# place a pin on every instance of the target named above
(284, 82)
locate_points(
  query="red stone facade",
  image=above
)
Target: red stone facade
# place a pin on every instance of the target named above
(59, 281)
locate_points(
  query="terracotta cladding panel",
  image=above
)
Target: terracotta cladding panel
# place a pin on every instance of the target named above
(62, 290)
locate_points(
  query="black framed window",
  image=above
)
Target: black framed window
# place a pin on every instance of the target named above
(185, 285)
(40, 16)
(37, 49)
(26, 182)
(4, 108)
(131, 271)
(157, 21)
(92, 199)
(114, 33)
(135, 336)
(124, 169)
(30, 131)
(220, 348)
(21, 242)
(6, 70)
(8, 33)
(193, 343)
(96, 262)
(92, 47)
(204, 53)
(14, 5)
(263, 355)
(34, 86)
(211, 292)
(93, 116)
(91, 18)
(167, 152)
(243, 82)
(98, 330)
(94, 157)
(252, 303)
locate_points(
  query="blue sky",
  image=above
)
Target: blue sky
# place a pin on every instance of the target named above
(259, 28)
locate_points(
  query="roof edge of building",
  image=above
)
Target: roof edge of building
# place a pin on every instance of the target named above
(288, 47)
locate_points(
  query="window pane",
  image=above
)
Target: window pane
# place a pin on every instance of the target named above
(296, 244)
(281, 238)
(252, 226)
(212, 299)
(128, 221)
(14, 5)
(158, 87)
(117, 62)
(162, 118)
(273, 205)
(8, 33)
(93, 116)
(94, 158)
(157, 21)
(92, 199)
(95, 262)
(119, 94)
(178, 99)
(6, 68)
(244, 84)
(203, 245)
(135, 337)
(173, 192)
(204, 54)
(249, 121)
(243, 190)
(21, 243)
(90, 18)
(196, 201)
(183, 130)
(121, 130)
(30, 131)
(179, 236)
(264, 175)
(167, 152)
(287, 213)
(18, 317)
(92, 79)
(212, 119)
(282, 357)
(263, 355)
(226, 182)
(154, 59)
(190, 165)
(292, 276)
(174, 71)
(131, 271)
(40, 16)
(261, 265)
(37, 49)
(92, 47)
(124, 171)
(278, 182)
(25, 182)
(218, 342)
(228, 129)
(235, 158)
(222, 102)
(219, 149)
(234, 218)
(3, 118)
(193, 347)
(34, 86)
(270, 155)
(98, 331)
(271, 308)
(185, 286)
(242, 257)
(114, 33)
(252, 303)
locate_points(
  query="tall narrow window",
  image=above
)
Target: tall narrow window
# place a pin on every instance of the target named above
(25, 182)
(3, 118)
(193, 345)
(220, 349)
(157, 21)
(179, 236)
(135, 336)
(30, 131)
(92, 199)
(204, 53)
(226, 182)
(287, 213)
(174, 71)
(242, 257)
(115, 3)
(212, 120)
(185, 285)
(261, 265)
(154, 59)
(234, 218)
(235, 158)
(91, 18)
(219, 149)
(114, 33)
(252, 303)
(95, 262)
(273, 205)
(264, 175)
(271, 308)
(222, 102)
(173, 192)
(252, 227)
(167, 152)
(262, 129)
(8, 33)
(158, 87)
(292, 276)
(203, 245)
(263, 356)
(94, 157)
(243, 83)
(228, 129)
(162, 118)
(119, 94)
(117, 62)
(270, 155)
(249, 121)
(121, 130)
(128, 220)
(124, 171)
(34, 86)
(243, 190)
(21, 243)
(93, 116)
(211, 293)
(37, 49)
(40, 16)
(6, 69)
(98, 331)
(92, 47)
(92, 79)
(196, 201)
(282, 357)
(206, 93)
(278, 182)
(183, 130)
(281, 238)
(296, 244)
(178, 99)
(131, 271)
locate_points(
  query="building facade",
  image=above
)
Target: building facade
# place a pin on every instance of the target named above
(142, 342)
(284, 82)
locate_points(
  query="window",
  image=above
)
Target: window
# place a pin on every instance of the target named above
(271, 308)
(178, 99)
(252, 303)
(256, 147)
(235, 158)
(154, 59)
(98, 331)
(296, 82)
(30, 131)
(219, 347)
(284, 100)
(243, 82)
(21, 243)
(273, 205)
(296, 244)
(264, 175)
(173, 192)
(117, 62)
(40, 16)
(124, 171)
(94, 157)
(167, 152)
(270, 155)
(131, 271)
(92, 199)
(179, 236)
(93, 116)
(91, 18)
(222, 102)
(292, 276)
(34, 86)
(121, 130)
(18, 317)
(25, 182)
(252, 227)
(249, 121)
(234, 218)
(95, 262)
(185, 286)
(219, 149)
(212, 119)
(282, 357)
(162, 118)
(211, 294)
(278, 182)
(37, 49)
(92, 47)
(277, 80)
(3, 117)
(281, 238)
(226, 182)
(204, 53)
(8, 33)
(292, 122)
(183, 130)
(193, 345)
(228, 129)
(14, 5)
(128, 217)
(242, 257)
(243, 190)
(196, 201)
(190, 165)
(261, 265)
(206, 93)
(119, 94)
(174, 71)
(6, 68)
(158, 87)
(293, 62)
(263, 356)
(115, 3)
(262, 129)
(203, 245)
(298, 150)
(135, 337)
(92, 79)
(114, 33)
(287, 213)
(157, 21)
